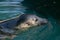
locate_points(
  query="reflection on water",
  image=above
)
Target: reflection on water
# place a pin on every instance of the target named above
(10, 8)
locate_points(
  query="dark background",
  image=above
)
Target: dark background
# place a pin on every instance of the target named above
(45, 7)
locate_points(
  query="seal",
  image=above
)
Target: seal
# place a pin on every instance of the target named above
(24, 22)
(30, 20)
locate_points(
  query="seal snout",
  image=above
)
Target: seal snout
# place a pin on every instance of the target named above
(43, 21)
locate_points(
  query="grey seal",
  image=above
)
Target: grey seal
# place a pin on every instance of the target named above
(24, 22)
(30, 20)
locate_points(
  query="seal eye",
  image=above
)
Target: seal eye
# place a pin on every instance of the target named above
(36, 20)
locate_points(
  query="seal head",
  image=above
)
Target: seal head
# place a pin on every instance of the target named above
(29, 20)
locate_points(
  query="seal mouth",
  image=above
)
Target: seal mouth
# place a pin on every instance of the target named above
(43, 23)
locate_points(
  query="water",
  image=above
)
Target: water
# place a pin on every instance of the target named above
(46, 32)
(10, 8)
